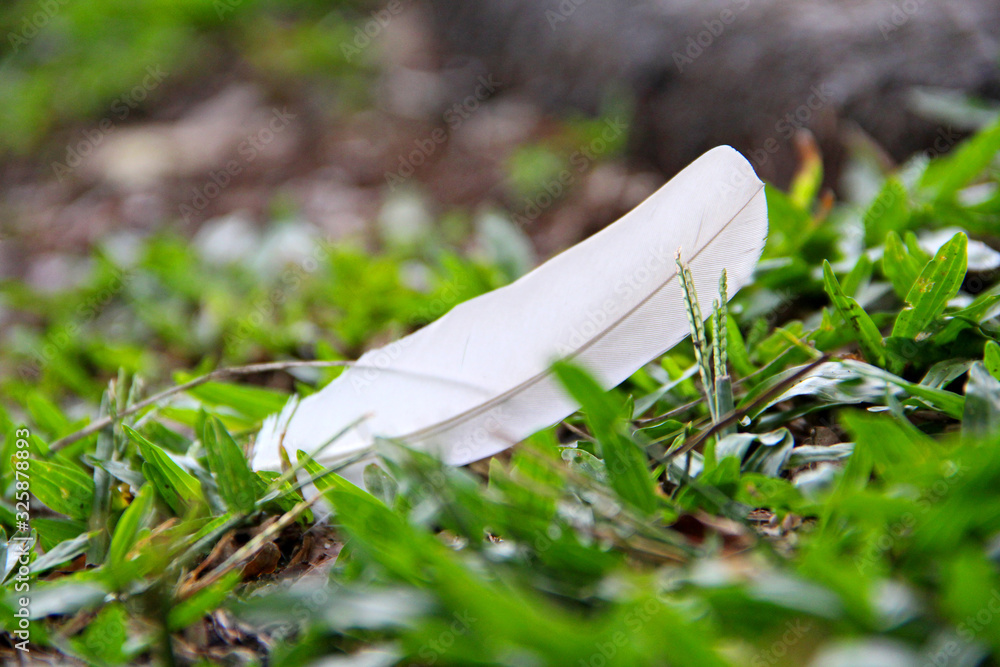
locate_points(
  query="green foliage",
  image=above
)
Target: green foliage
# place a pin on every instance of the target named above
(105, 639)
(944, 177)
(888, 214)
(109, 59)
(65, 489)
(623, 461)
(203, 602)
(237, 482)
(127, 532)
(335, 305)
(865, 331)
(852, 500)
(938, 282)
(176, 486)
(992, 359)
(900, 266)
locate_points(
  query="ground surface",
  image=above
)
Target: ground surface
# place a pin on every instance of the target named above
(846, 513)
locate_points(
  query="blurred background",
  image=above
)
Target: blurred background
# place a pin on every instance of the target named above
(171, 171)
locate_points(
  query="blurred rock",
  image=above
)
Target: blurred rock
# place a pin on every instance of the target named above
(233, 126)
(52, 273)
(743, 72)
(227, 240)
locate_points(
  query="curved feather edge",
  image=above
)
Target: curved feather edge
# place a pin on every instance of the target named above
(478, 379)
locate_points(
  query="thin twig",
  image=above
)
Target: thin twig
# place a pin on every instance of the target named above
(671, 413)
(218, 374)
(579, 431)
(687, 406)
(736, 415)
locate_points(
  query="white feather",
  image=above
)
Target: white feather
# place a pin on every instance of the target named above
(478, 380)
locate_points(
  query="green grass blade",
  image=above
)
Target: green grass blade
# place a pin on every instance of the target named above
(62, 488)
(254, 402)
(737, 349)
(860, 274)
(991, 358)
(900, 266)
(913, 246)
(890, 443)
(949, 403)
(237, 482)
(938, 282)
(982, 403)
(889, 212)
(203, 602)
(62, 553)
(106, 636)
(101, 512)
(699, 340)
(131, 522)
(947, 175)
(624, 460)
(865, 331)
(178, 488)
(720, 318)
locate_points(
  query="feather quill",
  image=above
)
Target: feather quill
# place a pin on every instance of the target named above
(478, 380)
